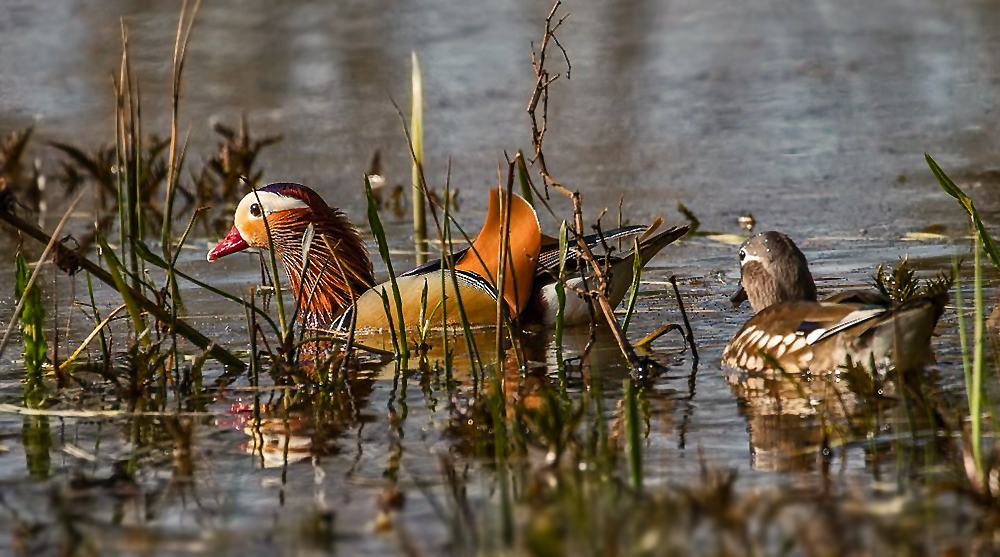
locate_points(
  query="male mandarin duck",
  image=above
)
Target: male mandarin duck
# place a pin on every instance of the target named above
(340, 282)
(340, 276)
(802, 334)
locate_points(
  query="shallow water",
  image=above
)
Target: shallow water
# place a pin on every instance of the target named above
(813, 117)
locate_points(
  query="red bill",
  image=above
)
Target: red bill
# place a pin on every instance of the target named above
(232, 243)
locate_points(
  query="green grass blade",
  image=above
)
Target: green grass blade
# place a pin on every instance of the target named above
(383, 248)
(388, 317)
(633, 435)
(560, 287)
(951, 189)
(115, 270)
(105, 353)
(636, 277)
(32, 318)
(975, 403)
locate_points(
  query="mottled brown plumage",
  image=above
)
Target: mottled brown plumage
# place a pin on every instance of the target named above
(797, 333)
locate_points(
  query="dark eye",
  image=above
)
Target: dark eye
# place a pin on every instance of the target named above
(255, 211)
(743, 254)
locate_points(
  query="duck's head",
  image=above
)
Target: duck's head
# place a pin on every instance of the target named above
(339, 263)
(772, 270)
(285, 206)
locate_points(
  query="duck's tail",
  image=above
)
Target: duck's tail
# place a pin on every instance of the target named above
(623, 270)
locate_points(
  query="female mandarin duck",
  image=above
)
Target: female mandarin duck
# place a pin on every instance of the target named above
(340, 282)
(802, 334)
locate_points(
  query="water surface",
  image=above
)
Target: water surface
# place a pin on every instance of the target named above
(811, 116)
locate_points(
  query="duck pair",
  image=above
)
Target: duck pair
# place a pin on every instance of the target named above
(796, 332)
(336, 287)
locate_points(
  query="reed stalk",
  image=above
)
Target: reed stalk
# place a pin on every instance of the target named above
(975, 403)
(983, 242)
(445, 250)
(962, 333)
(501, 278)
(560, 286)
(524, 179)
(633, 435)
(105, 353)
(417, 130)
(117, 273)
(475, 363)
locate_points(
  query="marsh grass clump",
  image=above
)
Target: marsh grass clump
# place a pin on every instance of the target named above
(220, 182)
(900, 284)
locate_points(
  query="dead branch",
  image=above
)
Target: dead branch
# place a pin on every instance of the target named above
(539, 126)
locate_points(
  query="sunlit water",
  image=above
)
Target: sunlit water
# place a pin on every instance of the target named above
(812, 117)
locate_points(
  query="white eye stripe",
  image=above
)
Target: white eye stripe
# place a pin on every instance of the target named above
(748, 257)
(271, 202)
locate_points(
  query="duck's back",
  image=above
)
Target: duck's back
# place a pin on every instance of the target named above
(821, 336)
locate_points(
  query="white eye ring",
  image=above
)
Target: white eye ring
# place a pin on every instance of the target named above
(255, 210)
(743, 255)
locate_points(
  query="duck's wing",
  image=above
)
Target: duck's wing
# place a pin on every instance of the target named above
(649, 246)
(548, 259)
(544, 306)
(432, 265)
(791, 333)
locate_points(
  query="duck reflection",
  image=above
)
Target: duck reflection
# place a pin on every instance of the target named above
(795, 419)
(291, 424)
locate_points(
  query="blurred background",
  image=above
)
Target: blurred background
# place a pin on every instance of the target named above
(776, 107)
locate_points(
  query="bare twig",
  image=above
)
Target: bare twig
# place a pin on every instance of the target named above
(541, 92)
(687, 324)
(540, 96)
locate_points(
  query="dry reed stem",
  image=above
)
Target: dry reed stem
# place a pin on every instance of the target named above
(86, 342)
